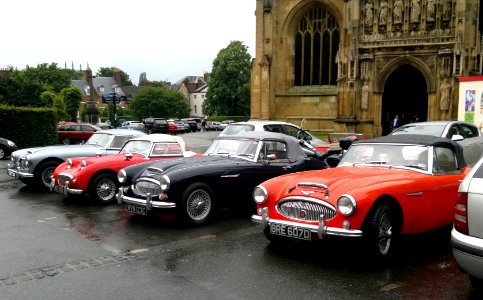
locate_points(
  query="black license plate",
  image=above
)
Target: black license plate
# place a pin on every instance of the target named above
(290, 231)
(140, 210)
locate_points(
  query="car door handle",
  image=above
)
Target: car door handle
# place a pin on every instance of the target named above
(287, 167)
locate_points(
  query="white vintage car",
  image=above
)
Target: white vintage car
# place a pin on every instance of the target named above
(35, 166)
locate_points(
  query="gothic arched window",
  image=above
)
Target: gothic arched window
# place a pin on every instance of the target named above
(316, 44)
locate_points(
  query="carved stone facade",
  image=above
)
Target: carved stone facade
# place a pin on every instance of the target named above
(392, 57)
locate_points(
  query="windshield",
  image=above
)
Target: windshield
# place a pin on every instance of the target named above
(382, 154)
(243, 148)
(100, 139)
(237, 128)
(139, 147)
(434, 130)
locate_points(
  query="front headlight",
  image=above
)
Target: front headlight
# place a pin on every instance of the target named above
(10, 143)
(260, 194)
(346, 204)
(164, 183)
(121, 176)
(69, 163)
(24, 162)
(83, 164)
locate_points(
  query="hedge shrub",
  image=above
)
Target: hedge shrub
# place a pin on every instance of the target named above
(28, 126)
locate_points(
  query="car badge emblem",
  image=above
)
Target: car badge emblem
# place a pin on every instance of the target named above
(303, 214)
(306, 192)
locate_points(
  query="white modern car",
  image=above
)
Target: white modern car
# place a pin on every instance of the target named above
(467, 233)
(277, 126)
(137, 125)
(455, 130)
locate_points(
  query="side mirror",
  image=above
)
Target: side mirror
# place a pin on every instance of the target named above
(333, 160)
(346, 142)
(457, 137)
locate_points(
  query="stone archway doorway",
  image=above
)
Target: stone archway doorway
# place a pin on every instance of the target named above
(405, 94)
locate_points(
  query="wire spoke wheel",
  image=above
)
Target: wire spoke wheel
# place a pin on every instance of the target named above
(102, 188)
(198, 205)
(47, 175)
(106, 189)
(385, 234)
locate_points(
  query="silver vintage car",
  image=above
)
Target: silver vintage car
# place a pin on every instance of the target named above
(35, 166)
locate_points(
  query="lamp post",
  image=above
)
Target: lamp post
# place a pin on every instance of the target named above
(112, 98)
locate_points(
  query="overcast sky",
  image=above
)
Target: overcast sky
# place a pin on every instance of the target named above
(167, 39)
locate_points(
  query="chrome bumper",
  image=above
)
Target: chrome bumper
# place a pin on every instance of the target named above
(18, 174)
(148, 202)
(321, 230)
(65, 190)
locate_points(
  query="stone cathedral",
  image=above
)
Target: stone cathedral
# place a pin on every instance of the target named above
(351, 65)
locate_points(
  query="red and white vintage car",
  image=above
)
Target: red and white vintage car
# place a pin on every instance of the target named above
(96, 176)
(381, 188)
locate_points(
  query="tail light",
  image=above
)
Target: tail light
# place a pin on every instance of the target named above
(461, 214)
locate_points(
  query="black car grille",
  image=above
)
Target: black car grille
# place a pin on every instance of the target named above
(143, 187)
(305, 209)
(62, 179)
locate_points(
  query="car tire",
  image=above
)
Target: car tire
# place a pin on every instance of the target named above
(66, 141)
(3, 153)
(43, 174)
(102, 189)
(198, 204)
(382, 233)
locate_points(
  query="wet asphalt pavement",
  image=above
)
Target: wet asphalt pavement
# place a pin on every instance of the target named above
(58, 248)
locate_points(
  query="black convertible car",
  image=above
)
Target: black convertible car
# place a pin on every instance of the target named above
(226, 174)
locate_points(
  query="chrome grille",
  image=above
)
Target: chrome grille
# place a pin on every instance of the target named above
(62, 179)
(143, 187)
(305, 209)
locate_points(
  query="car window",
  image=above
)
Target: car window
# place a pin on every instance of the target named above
(273, 128)
(167, 149)
(118, 141)
(276, 148)
(454, 130)
(87, 128)
(140, 147)
(292, 130)
(237, 128)
(76, 128)
(469, 131)
(160, 121)
(444, 160)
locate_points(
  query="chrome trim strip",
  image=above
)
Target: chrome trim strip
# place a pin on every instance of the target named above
(415, 194)
(230, 176)
(325, 231)
(313, 185)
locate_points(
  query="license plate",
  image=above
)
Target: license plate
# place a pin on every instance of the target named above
(59, 189)
(141, 210)
(290, 231)
(12, 173)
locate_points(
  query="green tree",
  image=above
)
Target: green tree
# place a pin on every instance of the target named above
(109, 72)
(229, 82)
(159, 102)
(24, 87)
(72, 98)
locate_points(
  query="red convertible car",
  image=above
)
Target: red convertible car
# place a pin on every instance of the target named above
(96, 176)
(381, 188)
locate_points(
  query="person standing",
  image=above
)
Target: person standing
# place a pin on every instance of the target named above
(395, 123)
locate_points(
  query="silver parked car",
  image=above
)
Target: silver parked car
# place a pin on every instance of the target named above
(35, 166)
(467, 233)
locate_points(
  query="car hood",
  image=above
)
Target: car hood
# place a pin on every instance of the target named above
(339, 181)
(65, 150)
(189, 164)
